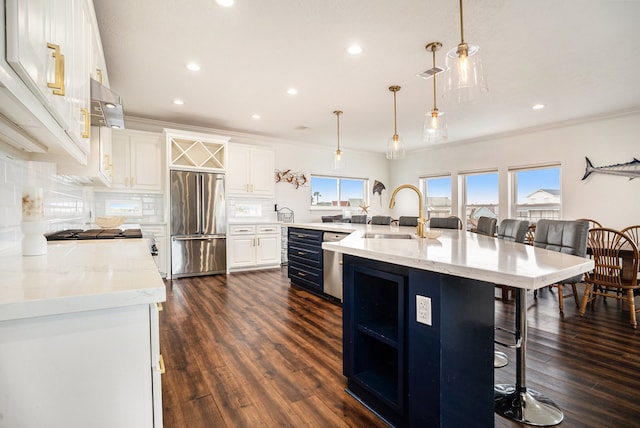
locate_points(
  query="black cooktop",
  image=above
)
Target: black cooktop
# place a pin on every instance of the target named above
(73, 234)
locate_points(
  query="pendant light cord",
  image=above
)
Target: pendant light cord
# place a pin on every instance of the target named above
(338, 113)
(395, 127)
(461, 26)
(433, 52)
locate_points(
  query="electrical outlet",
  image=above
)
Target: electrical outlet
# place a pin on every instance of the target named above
(423, 309)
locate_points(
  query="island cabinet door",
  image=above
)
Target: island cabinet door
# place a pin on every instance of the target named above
(450, 357)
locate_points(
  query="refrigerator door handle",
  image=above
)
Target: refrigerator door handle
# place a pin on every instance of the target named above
(196, 237)
(198, 203)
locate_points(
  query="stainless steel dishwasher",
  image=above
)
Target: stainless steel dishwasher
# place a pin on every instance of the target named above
(333, 266)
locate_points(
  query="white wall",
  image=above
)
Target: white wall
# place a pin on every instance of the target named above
(613, 201)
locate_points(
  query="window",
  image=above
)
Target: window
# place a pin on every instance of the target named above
(437, 195)
(480, 197)
(536, 193)
(338, 192)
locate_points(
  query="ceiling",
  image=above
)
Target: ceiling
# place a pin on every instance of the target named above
(578, 57)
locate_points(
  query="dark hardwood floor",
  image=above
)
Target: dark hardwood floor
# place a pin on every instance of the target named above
(248, 350)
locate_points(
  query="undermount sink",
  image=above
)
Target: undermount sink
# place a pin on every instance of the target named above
(372, 235)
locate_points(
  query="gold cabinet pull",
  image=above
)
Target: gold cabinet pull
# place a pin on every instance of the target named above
(162, 367)
(132, 181)
(87, 124)
(99, 75)
(126, 182)
(58, 85)
(159, 305)
(108, 166)
(301, 274)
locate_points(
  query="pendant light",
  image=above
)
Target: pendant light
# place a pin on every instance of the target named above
(395, 144)
(435, 124)
(337, 158)
(466, 80)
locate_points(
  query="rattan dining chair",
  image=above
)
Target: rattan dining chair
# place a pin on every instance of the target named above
(633, 232)
(564, 236)
(592, 223)
(616, 269)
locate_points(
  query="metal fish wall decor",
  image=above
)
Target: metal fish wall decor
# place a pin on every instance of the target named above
(629, 169)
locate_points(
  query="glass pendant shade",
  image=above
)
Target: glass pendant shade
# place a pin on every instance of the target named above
(435, 127)
(466, 80)
(337, 160)
(395, 148)
(395, 144)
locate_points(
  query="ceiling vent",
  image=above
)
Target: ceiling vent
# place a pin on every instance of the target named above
(429, 72)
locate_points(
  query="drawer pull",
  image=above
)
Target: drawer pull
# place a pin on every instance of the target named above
(301, 253)
(162, 367)
(159, 305)
(301, 274)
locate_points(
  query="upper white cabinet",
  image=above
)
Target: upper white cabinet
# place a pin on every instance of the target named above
(48, 45)
(192, 150)
(138, 161)
(99, 168)
(250, 171)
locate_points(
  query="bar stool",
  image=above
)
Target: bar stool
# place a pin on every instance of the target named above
(516, 401)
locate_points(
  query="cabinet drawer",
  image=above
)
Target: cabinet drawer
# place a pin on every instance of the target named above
(304, 275)
(268, 228)
(305, 235)
(305, 254)
(242, 229)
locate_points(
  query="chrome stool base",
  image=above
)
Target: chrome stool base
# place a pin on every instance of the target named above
(528, 407)
(500, 359)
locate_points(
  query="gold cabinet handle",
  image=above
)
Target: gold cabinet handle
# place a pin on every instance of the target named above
(108, 166)
(301, 274)
(300, 253)
(58, 85)
(99, 75)
(132, 180)
(159, 305)
(87, 124)
(126, 182)
(162, 367)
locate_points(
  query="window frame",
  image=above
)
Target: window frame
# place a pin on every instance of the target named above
(423, 182)
(465, 205)
(339, 206)
(514, 206)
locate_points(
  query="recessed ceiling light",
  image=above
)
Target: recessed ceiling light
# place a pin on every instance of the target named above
(538, 106)
(255, 116)
(178, 102)
(193, 66)
(292, 91)
(225, 3)
(354, 50)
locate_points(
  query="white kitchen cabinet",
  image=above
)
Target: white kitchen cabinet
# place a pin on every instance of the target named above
(49, 47)
(138, 162)
(250, 171)
(196, 151)
(95, 368)
(98, 170)
(253, 246)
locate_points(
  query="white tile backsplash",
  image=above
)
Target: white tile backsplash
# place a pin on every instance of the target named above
(63, 201)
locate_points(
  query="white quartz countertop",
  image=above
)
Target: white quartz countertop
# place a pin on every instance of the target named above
(458, 253)
(78, 276)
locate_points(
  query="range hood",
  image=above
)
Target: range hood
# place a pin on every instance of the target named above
(106, 107)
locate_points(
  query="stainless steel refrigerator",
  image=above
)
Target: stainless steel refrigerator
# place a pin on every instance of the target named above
(198, 224)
